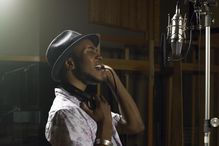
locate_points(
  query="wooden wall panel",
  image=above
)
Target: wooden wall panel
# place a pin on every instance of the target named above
(141, 15)
(150, 98)
(137, 15)
(176, 119)
(156, 21)
(124, 12)
(195, 104)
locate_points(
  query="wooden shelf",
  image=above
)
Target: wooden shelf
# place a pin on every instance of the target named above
(119, 64)
(23, 58)
(189, 67)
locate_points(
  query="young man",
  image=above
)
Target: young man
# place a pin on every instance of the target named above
(77, 118)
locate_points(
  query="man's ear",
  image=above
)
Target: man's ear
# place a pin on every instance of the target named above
(69, 64)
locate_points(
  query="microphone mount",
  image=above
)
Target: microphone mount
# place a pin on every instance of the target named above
(202, 8)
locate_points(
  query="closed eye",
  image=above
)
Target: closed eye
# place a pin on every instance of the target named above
(91, 49)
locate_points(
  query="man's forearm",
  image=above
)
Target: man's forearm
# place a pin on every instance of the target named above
(134, 123)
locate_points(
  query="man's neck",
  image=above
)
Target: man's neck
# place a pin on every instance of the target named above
(78, 84)
(73, 80)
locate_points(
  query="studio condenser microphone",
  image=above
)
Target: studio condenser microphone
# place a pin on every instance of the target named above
(176, 34)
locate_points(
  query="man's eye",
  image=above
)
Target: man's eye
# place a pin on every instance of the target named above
(92, 50)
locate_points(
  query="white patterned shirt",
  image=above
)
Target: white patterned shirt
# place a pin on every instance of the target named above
(69, 125)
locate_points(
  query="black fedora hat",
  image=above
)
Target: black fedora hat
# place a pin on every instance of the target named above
(61, 47)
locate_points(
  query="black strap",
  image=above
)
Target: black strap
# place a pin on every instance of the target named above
(82, 96)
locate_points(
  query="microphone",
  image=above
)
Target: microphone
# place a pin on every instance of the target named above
(176, 34)
(100, 67)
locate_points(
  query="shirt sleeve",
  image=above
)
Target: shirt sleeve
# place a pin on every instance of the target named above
(67, 128)
(117, 118)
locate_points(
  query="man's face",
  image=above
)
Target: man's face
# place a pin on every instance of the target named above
(86, 58)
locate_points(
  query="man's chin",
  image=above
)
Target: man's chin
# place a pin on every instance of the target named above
(94, 81)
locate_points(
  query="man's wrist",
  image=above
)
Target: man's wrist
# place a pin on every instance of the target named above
(104, 131)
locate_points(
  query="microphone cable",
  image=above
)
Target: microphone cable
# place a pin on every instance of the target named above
(114, 81)
(190, 36)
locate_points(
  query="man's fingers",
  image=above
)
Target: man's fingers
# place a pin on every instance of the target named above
(86, 109)
(97, 99)
(103, 99)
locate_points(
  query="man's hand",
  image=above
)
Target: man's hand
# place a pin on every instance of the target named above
(102, 115)
(110, 75)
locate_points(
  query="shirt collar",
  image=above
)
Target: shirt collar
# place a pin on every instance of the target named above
(59, 91)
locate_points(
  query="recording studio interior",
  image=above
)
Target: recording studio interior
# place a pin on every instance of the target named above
(164, 52)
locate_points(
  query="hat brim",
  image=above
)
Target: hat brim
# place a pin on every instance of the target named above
(55, 73)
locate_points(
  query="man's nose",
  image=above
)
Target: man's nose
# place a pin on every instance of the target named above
(99, 56)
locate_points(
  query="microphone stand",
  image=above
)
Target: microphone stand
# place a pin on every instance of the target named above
(214, 122)
(207, 79)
